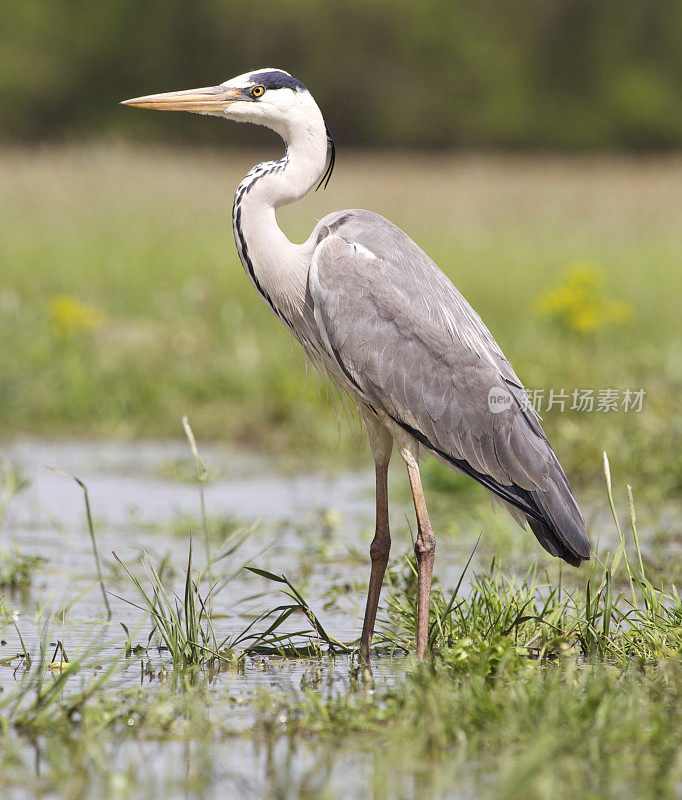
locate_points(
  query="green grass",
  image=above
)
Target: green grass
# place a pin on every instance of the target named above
(169, 325)
(518, 732)
(532, 688)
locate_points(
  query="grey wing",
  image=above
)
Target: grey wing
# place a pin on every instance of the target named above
(413, 348)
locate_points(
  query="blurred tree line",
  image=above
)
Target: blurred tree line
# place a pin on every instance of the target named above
(560, 74)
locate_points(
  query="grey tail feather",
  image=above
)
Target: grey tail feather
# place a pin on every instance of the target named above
(559, 525)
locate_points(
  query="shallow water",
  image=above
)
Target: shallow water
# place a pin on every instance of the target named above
(314, 527)
(145, 497)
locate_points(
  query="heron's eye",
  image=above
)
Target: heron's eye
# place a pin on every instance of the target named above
(258, 91)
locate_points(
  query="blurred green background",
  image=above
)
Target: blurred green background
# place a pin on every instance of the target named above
(568, 74)
(531, 148)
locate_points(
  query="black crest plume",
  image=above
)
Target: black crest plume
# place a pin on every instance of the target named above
(324, 180)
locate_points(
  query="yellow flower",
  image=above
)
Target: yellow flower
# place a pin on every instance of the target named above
(68, 316)
(579, 304)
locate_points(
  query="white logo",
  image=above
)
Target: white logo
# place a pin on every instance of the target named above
(499, 400)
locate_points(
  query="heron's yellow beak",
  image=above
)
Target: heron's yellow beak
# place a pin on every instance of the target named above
(209, 100)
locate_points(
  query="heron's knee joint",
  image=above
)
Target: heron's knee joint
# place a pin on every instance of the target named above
(425, 545)
(379, 549)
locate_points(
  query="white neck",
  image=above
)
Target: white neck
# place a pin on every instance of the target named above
(277, 267)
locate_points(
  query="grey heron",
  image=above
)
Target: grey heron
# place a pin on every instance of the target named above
(370, 307)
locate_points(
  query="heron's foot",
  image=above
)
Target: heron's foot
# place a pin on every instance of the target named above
(362, 673)
(364, 656)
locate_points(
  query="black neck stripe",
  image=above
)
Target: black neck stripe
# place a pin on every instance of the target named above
(244, 189)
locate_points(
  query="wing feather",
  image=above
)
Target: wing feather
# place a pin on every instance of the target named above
(413, 347)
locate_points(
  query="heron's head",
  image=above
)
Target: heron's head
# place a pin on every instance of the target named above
(268, 97)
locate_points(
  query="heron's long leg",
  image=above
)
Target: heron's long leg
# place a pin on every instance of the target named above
(378, 551)
(381, 442)
(425, 551)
